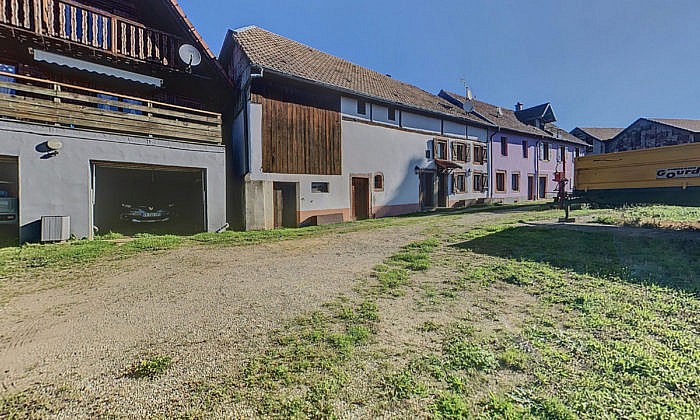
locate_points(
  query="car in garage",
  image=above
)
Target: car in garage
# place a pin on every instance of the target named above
(148, 213)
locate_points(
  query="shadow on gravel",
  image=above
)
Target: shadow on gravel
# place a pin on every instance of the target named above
(667, 259)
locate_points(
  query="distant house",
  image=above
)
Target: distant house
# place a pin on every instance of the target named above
(111, 114)
(647, 133)
(318, 139)
(596, 137)
(526, 150)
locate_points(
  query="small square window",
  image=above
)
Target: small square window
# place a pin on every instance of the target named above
(378, 182)
(501, 181)
(479, 182)
(441, 149)
(504, 146)
(460, 183)
(320, 187)
(361, 107)
(515, 182)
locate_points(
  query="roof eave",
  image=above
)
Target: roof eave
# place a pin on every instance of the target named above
(365, 96)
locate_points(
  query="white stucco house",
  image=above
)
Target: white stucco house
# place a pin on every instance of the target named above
(317, 139)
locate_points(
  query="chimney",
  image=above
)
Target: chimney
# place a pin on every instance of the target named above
(519, 106)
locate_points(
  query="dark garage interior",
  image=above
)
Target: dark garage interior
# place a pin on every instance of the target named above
(144, 199)
(9, 201)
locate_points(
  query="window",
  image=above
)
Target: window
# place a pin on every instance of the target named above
(562, 154)
(544, 151)
(460, 152)
(320, 187)
(526, 151)
(441, 149)
(460, 182)
(6, 68)
(504, 146)
(361, 107)
(379, 182)
(501, 181)
(391, 113)
(479, 154)
(577, 152)
(479, 182)
(515, 182)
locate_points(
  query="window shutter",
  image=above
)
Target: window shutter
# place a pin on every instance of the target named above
(454, 151)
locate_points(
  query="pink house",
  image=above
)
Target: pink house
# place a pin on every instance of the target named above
(526, 150)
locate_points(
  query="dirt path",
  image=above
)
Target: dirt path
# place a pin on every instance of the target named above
(205, 307)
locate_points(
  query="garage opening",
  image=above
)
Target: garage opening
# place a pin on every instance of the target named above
(131, 199)
(9, 201)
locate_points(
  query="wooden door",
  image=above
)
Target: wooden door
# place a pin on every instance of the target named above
(360, 198)
(427, 190)
(442, 190)
(543, 187)
(531, 187)
(278, 198)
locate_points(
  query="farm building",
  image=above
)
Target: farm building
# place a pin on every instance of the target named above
(319, 139)
(526, 150)
(596, 138)
(646, 133)
(106, 120)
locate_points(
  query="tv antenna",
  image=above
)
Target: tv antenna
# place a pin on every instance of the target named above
(469, 102)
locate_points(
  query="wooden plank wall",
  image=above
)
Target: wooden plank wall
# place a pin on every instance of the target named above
(299, 139)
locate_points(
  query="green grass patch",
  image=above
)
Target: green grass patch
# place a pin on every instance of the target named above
(149, 367)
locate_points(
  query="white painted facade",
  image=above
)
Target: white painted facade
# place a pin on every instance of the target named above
(372, 144)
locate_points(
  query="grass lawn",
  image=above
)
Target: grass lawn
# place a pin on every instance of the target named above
(682, 218)
(498, 320)
(510, 321)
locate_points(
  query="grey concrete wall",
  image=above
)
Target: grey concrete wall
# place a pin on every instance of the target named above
(61, 185)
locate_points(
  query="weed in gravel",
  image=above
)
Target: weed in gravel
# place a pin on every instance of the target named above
(450, 405)
(401, 386)
(429, 326)
(149, 367)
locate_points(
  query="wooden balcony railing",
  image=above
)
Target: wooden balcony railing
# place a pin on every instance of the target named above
(31, 99)
(90, 27)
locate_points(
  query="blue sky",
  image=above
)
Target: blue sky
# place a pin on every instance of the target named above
(600, 62)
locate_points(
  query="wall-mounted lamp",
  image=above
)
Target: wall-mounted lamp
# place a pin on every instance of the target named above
(50, 148)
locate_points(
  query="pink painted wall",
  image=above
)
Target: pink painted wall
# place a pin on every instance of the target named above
(514, 162)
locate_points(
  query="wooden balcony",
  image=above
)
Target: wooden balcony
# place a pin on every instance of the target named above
(37, 100)
(90, 27)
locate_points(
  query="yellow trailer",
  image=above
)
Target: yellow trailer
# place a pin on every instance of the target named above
(662, 175)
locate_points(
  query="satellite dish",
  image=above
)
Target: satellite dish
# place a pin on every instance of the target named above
(468, 106)
(190, 55)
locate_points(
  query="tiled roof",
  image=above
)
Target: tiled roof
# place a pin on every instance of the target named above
(690, 125)
(291, 58)
(601, 133)
(506, 119)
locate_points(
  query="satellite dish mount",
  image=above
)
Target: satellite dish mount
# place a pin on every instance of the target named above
(190, 56)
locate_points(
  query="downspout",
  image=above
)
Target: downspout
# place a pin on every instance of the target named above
(537, 169)
(489, 160)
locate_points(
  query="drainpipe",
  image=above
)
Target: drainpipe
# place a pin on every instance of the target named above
(537, 169)
(489, 159)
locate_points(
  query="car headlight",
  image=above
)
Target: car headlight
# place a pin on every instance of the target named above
(126, 206)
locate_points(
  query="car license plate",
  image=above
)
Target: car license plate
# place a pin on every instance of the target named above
(151, 215)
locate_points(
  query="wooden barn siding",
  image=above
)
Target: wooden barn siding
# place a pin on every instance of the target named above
(299, 139)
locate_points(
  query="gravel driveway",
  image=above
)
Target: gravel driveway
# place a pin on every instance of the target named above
(205, 307)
